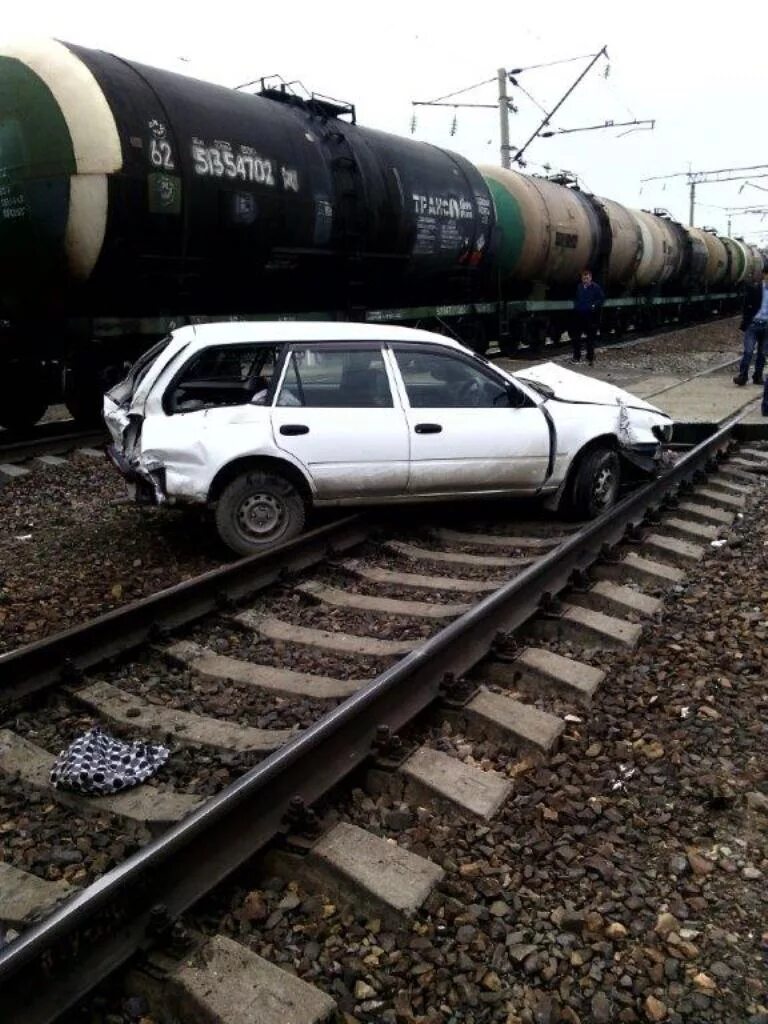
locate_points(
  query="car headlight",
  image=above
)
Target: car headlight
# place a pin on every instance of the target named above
(662, 432)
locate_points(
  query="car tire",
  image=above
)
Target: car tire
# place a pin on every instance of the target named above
(596, 483)
(257, 511)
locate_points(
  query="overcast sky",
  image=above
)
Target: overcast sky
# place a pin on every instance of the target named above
(699, 70)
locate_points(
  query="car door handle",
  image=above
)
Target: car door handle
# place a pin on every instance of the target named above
(428, 428)
(292, 429)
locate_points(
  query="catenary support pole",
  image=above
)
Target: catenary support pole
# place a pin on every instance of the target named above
(504, 117)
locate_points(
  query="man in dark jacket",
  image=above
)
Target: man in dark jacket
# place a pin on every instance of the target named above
(586, 315)
(754, 323)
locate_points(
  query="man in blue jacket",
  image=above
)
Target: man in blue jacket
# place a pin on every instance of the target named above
(586, 315)
(754, 323)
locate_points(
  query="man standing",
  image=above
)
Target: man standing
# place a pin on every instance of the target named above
(589, 299)
(754, 323)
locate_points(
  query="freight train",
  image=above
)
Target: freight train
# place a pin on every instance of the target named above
(134, 199)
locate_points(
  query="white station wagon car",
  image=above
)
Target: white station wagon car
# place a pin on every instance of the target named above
(265, 420)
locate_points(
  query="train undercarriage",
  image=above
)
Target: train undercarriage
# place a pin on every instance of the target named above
(35, 374)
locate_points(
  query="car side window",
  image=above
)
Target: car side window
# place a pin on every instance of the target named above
(336, 378)
(439, 380)
(223, 375)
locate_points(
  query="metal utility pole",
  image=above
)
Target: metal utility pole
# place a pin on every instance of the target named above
(744, 211)
(710, 178)
(504, 117)
(505, 104)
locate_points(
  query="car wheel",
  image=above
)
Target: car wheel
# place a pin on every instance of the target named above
(258, 510)
(596, 484)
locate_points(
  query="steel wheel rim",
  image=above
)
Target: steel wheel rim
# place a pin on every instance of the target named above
(261, 516)
(604, 487)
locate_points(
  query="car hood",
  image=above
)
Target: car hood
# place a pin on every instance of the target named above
(577, 388)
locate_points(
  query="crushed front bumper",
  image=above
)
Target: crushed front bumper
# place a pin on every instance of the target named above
(647, 458)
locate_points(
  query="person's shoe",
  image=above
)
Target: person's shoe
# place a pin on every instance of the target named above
(757, 378)
(740, 379)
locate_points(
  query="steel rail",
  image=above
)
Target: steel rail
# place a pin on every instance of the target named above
(48, 442)
(64, 656)
(58, 961)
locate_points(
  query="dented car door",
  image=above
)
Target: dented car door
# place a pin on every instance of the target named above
(470, 430)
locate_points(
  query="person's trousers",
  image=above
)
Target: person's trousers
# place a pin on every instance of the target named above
(584, 324)
(754, 339)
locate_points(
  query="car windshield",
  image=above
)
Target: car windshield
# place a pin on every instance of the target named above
(121, 393)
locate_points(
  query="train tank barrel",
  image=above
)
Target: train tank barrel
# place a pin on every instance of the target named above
(626, 246)
(549, 233)
(717, 256)
(58, 145)
(151, 192)
(737, 263)
(661, 256)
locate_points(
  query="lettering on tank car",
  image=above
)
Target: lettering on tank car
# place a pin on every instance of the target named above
(160, 149)
(443, 206)
(566, 240)
(483, 204)
(223, 160)
(13, 203)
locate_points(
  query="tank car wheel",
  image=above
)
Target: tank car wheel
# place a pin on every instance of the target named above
(23, 395)
(257, 511)
(84, 388)
(596, 483)
(535, 334)
(20, 415)
(474, 335)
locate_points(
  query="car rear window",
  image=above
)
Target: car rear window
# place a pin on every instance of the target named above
(222, 375)
(347, 378)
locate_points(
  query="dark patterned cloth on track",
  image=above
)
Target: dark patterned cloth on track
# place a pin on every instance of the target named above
(98, 764)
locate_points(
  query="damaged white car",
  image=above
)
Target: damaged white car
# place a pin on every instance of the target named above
(265, 420)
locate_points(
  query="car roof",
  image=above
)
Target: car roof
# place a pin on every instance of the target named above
(223, 332)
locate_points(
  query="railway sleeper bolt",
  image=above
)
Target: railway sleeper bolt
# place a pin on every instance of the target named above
(699, 477)
(457, 691)
(608, 555)
(580, 581)
(634, 533)
(302, 820)
(670, 501)
(550, 606)
(387, 748)
(652, 517)
(160, 921)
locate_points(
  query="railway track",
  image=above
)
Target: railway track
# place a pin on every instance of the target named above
(48, 441)
(350, 651)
